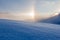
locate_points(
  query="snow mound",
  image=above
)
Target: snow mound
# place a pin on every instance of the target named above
(15, 30)
(54, 19)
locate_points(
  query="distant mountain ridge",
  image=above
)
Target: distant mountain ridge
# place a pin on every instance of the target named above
(54, 19)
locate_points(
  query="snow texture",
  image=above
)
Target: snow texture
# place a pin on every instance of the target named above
(18, 30)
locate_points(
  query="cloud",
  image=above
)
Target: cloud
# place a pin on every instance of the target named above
(46, 7)
(47, 3)
(15, 16)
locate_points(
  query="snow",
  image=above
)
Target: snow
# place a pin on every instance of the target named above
(18, 30)
(53, 20)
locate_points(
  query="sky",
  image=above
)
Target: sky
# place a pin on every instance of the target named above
(15, 5)
(48, 6)
(43, 7)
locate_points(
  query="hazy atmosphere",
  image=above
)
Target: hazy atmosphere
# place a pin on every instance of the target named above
(28, 9)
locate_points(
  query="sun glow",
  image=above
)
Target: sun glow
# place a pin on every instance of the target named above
(56, 13)
(31, 15)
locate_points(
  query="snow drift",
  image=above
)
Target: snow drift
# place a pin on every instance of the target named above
(54, 19)
(18, 30)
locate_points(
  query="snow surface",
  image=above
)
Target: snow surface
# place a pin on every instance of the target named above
(15, 30)
(53, 20)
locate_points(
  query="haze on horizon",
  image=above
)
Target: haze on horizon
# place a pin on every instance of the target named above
(28, 9)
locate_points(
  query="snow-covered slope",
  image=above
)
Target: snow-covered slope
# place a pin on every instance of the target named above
(54, 19)
(15, 30)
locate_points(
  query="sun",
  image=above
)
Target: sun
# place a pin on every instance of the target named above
(31, 14)
(56, 13)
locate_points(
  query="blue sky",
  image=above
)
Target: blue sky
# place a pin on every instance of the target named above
(41, 6)
(15, 5)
